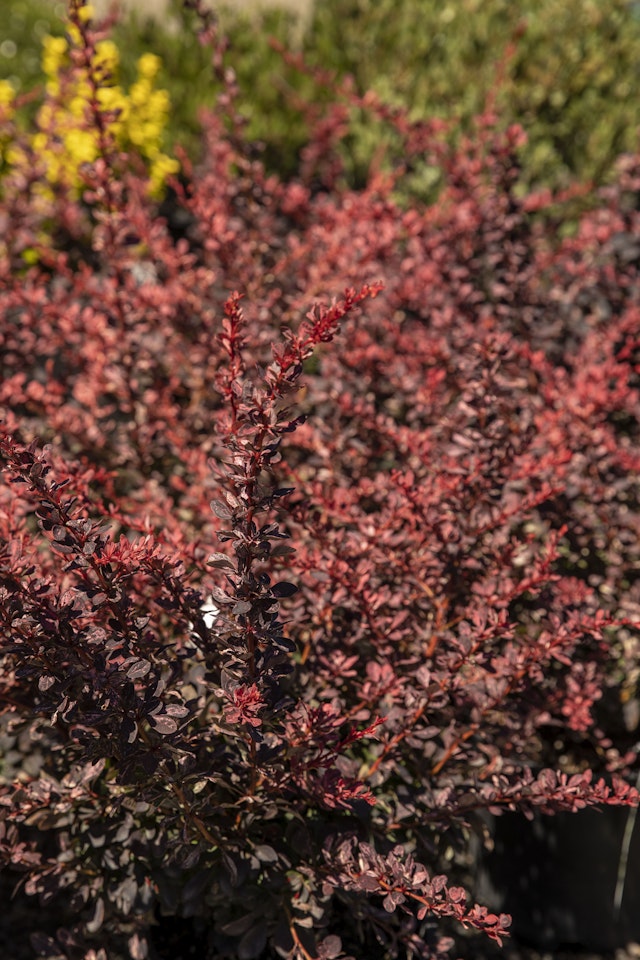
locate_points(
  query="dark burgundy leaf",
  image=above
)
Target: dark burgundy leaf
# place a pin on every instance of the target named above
(96, 921)
(330, 947)
(61, 548)
(188, 857)
(129, 729)
(265, 853)
(163, 724)
(242, 606)
(221, 509)
(138, 947)
(220, 560)
(235, 928)
(282, 550)
(176, 710)
(284, 589)
(232, 868)
(253, 942)
(138, 669)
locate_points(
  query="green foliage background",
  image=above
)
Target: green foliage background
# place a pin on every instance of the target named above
(572, 78)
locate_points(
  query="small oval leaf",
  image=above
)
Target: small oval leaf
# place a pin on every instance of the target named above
(220, 560)
(139, 669)
(221, 509)
(283, 589)
(163, 724)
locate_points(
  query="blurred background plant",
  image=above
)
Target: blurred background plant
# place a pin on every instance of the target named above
(567, 70)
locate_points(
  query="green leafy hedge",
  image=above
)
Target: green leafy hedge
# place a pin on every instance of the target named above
(572, 79)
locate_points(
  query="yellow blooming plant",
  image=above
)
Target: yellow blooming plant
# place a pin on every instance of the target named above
(7, 97)
(66, 139)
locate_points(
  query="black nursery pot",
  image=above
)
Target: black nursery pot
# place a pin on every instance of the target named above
(557, 876)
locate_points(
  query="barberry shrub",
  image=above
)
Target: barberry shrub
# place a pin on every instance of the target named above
(319, 535)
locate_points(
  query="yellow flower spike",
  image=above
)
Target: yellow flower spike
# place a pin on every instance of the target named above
(161, 169)
(136, 118)
(160, 102)
(111, 99)
(15, 155)
(81, 146)
(74, 34)
(39, 142)
(54, 50)
(106, 59)
(52, 88)
(149, 65)
(139, 93)
(7, 93)
(54, 46)
(46, 115)
(78, 106)
(86, 13)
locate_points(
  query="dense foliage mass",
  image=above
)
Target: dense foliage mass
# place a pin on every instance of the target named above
(558, 64)
(414, 596)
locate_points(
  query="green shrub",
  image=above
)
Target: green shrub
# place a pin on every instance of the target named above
(24, 26)
(572, 80)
